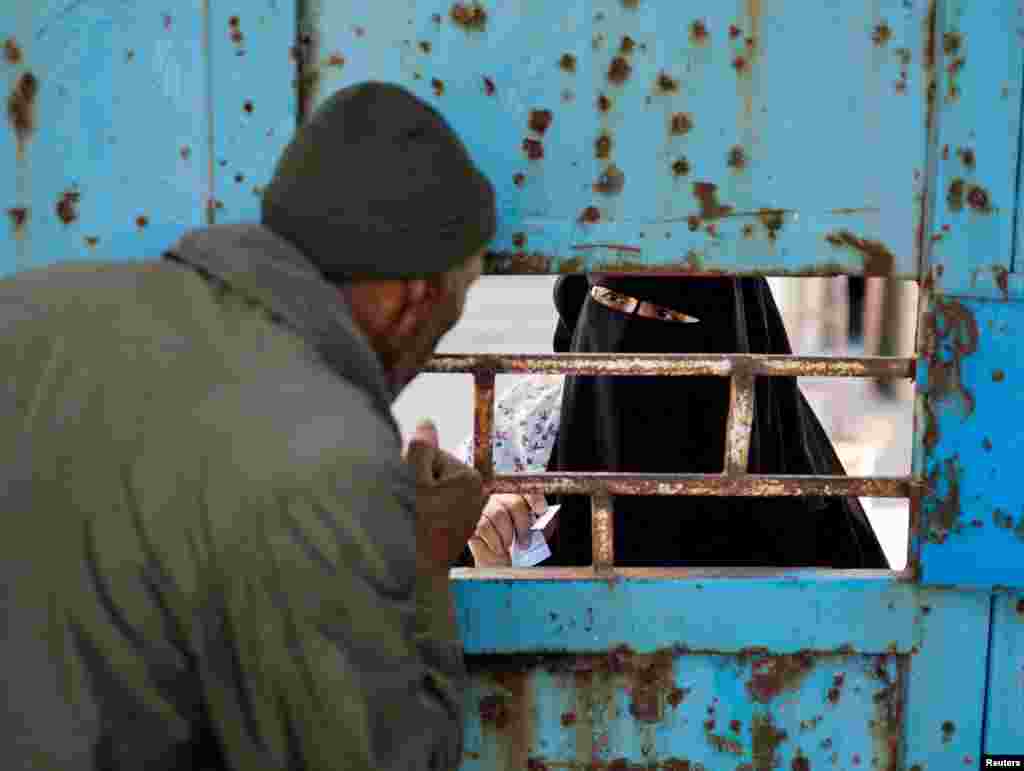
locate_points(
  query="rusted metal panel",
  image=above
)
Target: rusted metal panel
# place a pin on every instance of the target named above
(722, 365)
(726, 611)
(967, 442)
(977, 102)
(253, 100)
(946, 682)
(1004, 710)
(616, 146)
(108, 149)
(677, 711)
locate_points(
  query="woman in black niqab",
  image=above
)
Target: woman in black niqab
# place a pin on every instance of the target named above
(676, 424)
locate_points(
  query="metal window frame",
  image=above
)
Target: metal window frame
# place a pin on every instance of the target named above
(742, 370)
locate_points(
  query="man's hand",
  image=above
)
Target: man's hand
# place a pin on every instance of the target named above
(505, 516)
(449, 497)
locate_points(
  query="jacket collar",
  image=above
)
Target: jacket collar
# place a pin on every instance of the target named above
(260, 265)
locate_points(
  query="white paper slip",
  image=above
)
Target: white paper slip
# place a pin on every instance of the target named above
(537, 550)
(546, 517)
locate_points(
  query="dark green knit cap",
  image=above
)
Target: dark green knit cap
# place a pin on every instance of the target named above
(378, 185)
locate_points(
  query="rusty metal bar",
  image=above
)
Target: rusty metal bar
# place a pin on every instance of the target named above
(739, 424)
(745, 486)
(603, 532)
(723, 365)
(483, 422)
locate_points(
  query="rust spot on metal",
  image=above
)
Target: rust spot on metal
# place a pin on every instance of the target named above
(986, 444)
(21, 109)
(471, 16)
(748, 231)
(519, 240)
(699, 32)
(567, 63)
(18, 216)
(966, 156)
(67, 206)
(773, 675)
(878, 260)
(336, 60)
(930, 31)
(489, 87)
(978, 199)
(951, 42)
(693, 223)
(604, 104)
(948, 729)
(998, 376)
(518, 179)
(721, 743)
(681, 167)
(425, 46)
(766, 741)
(681, 124)
(535, 764)
(1003, 280)
(92, 241)
(568, 719)
(737, 158)
(141, 221)
(706, 194)
(590, 215)
(540, 120)
(627, 45)
(239, 177)
(631, 5)
(437, 86)
(235, 29)
(943, 518)
(1020, 607)
(533, 148)
(740, 64)
(666, 83)
(12, 51)
(611, 181)
(881, 34)
(248, 106)
(735, 726)
(773, 220)
(951, 325)
(955, 195)
(168, 21)
(603, 147)
(185, 152)
(619, 70)
(676, 696)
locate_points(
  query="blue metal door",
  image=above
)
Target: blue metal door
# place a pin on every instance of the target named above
(747, 136)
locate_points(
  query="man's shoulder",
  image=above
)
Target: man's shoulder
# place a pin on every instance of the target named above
(299, 421)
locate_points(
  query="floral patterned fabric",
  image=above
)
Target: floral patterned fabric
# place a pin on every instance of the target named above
(526, 419)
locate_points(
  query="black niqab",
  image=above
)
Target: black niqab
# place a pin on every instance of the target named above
(660, 424)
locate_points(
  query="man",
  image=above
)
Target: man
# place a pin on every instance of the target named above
(214, 555)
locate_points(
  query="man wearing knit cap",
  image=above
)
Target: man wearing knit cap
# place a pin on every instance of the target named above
(215, 555)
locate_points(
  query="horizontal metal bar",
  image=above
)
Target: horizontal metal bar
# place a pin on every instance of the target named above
(746, 486)
(722, 365)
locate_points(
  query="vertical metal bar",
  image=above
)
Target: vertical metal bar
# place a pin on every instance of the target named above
(603, 532)
(483, 423)
(738, 426)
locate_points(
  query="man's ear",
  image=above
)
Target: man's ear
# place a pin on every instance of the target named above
(418, 302)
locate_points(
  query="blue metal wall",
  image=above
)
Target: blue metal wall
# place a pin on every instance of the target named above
(774, 136)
